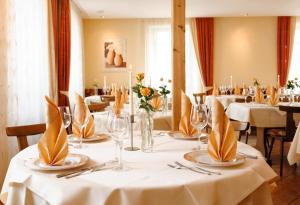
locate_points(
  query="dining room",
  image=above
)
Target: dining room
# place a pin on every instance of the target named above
(135, 102)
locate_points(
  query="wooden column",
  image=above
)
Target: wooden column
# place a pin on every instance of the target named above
(178, 57)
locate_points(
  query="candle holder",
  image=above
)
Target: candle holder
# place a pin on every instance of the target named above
(131, 148)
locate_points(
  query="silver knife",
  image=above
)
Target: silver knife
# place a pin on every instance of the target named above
(77, 171)
(94, 169)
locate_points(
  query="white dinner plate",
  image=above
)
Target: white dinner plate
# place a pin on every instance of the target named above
(71, 161)
(202, 158)
(179, 136)
(95, 137)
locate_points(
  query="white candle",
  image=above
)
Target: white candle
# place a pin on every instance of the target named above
(231, 84)
(130, 91)
(104, 82)
(278, 80)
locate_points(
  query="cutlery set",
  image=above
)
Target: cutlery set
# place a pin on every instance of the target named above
(197, 169)
(82, 171)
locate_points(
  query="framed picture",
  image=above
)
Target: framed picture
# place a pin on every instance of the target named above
(115, 55)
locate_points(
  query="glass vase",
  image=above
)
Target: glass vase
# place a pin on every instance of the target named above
(165, 104)
(146, 127)
(292, 96)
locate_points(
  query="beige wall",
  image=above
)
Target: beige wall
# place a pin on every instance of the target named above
(96, 32)
(245, 48)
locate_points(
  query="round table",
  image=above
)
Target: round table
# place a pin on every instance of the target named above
(149, 181)
(226, 100)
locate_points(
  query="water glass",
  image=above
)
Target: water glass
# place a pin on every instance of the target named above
(199, 119)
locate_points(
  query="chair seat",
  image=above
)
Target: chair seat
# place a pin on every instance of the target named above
(276, 132)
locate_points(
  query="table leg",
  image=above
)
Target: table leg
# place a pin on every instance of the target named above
(260, 139)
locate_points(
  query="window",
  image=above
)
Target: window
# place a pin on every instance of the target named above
(295, 61)
(158, 56)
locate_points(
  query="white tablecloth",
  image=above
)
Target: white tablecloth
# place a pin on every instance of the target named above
(226, 100)
(149, 181)
(93, 98)
(294, 152)
(260, 116)
(161, 121)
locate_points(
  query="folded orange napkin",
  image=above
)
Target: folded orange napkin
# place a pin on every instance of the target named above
(273, 99)
(81, 114)
(53, 145)
(222, 142)
(156, 102)
(124, 97)
(113, 90)
(237, 90)
(259, 96)
(185, 126)
(118, 105)
(215, 91)
(268, 90)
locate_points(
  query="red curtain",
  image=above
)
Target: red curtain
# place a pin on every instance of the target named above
(205, 36)
(62, 41)
(283, 47)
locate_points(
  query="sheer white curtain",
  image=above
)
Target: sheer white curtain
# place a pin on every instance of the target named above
(158, 55)
(76, 73)
(25, 61)
(294, 71)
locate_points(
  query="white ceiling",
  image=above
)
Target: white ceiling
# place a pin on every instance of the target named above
(162, 8)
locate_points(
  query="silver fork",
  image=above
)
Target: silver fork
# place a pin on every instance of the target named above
(189, 168)
(200, 168)
(94, 169)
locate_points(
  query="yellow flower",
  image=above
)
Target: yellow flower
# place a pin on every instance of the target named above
(169, 81)
(140, 76)
(145, 92)
(161, 79)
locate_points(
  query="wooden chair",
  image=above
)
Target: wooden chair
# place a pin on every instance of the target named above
(285, 134)
(199, 98)
(242, 128)
(239, 100)
(21, 132)
(98, 107)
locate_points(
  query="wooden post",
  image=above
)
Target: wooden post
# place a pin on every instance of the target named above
(178, 58)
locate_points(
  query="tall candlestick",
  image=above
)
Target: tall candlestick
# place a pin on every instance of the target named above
(104, 82)
(231, 83)
(278, 80)
(130, 91)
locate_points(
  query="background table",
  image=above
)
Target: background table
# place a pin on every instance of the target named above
(294, 152)
(149, 180)
(260, 116)
(226, 100)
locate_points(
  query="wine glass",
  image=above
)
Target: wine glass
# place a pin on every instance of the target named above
(65, 115)
(118, 127)
(199, 119)
(80, 123)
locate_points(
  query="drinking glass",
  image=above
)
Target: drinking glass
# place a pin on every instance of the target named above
(81, 124)
(118, 127)
(65, 115)
(199, 119)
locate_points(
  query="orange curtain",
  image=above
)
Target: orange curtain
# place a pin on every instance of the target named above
(205, 36)
(62, 43)
(283, 47)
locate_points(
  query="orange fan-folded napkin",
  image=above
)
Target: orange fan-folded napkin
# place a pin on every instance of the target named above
(53, 145)
(215, 91)
(268, 90)
(237, 90)
(273, 99)
(259, 97)
(81, 114)
(124, 96)
(185, 126)
(118, 102)
(222, 142)
(156, 102)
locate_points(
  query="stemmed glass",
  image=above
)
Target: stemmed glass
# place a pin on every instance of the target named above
(199, 119)
(81, 124)
(118, 127)
(65, 115)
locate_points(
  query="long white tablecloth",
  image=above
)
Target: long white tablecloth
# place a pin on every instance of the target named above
(226, 100)
(260, 116)
(294, 152)
(149, 181)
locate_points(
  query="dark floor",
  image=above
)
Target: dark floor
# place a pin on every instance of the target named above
(288, 190)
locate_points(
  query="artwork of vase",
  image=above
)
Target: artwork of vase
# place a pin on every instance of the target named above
(110, 56)
(115, 54)
(118, 60)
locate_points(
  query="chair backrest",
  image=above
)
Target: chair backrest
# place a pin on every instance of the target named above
(199, 97)
(98, 107)
(290, 125)
(240, 100)
(21, 132)
(107, 98)
(239, 126)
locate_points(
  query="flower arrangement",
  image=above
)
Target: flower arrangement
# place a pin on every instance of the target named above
(145, 94)
(255, 82)
(292, 84)
(163, 89)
